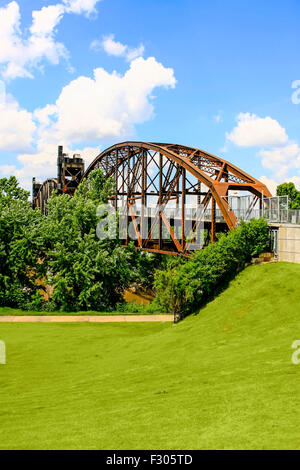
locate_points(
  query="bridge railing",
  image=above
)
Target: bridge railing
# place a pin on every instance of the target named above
(282, 216)
(272, 215)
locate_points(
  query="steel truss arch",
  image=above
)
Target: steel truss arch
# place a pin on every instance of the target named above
(179, 172)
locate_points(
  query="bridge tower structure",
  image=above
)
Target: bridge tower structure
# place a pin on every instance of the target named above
(70, 171)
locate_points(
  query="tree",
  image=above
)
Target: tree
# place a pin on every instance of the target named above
(86, 273)
(10, 190)
(288, 189)
(19, 250)
(62, 249)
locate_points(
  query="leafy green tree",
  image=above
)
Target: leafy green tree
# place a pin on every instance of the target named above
(10, 190)
(97, 188)
(19, 251)
(85, 272)
(288, 189)
(63, 250)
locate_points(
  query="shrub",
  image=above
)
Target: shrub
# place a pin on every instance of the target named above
(183, 288)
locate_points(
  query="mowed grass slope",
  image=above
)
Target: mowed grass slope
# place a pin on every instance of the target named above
(222, 379)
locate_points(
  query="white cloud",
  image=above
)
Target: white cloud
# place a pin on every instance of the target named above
(45, 20)
(7, 170)
(92, 109)
(281, 159)
(134, 53)
(21, 52)
(278, 154)
(117, 49)
(19, 55)
(96, 45)
(2, 92)
(81, 6)
(42, 115)
(87, 109)
(108, 105)
(254, 131)
(270, 183)
(16, 127)
(295, 180)
(113, 47)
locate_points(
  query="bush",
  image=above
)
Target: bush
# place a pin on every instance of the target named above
(185, 287)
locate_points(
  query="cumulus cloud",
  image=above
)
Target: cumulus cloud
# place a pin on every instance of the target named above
(81, 6)
(20, 53)
(254, 131)
(108, 105)
(2, 92)
(7, 170)
(42, 115)
(89, 110)
(283, 163)
(113, 47)
(135, 52)
(278, 153)
(117, 49)
(281, 159)
(272, 183)
(45, 20)
(295, 180)
(16, 126)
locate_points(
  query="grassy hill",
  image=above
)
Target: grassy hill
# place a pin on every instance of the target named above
(221, 379)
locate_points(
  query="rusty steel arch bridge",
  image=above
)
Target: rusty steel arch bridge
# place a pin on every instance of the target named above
(170, 172)
(161, 174)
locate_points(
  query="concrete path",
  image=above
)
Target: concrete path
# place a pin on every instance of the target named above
(87, 318)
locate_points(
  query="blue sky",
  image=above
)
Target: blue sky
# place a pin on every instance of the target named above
(210, 74)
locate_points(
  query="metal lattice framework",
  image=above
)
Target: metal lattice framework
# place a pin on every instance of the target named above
(170, 172)
(42, 192)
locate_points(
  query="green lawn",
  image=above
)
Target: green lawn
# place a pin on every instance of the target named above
(222, 379)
